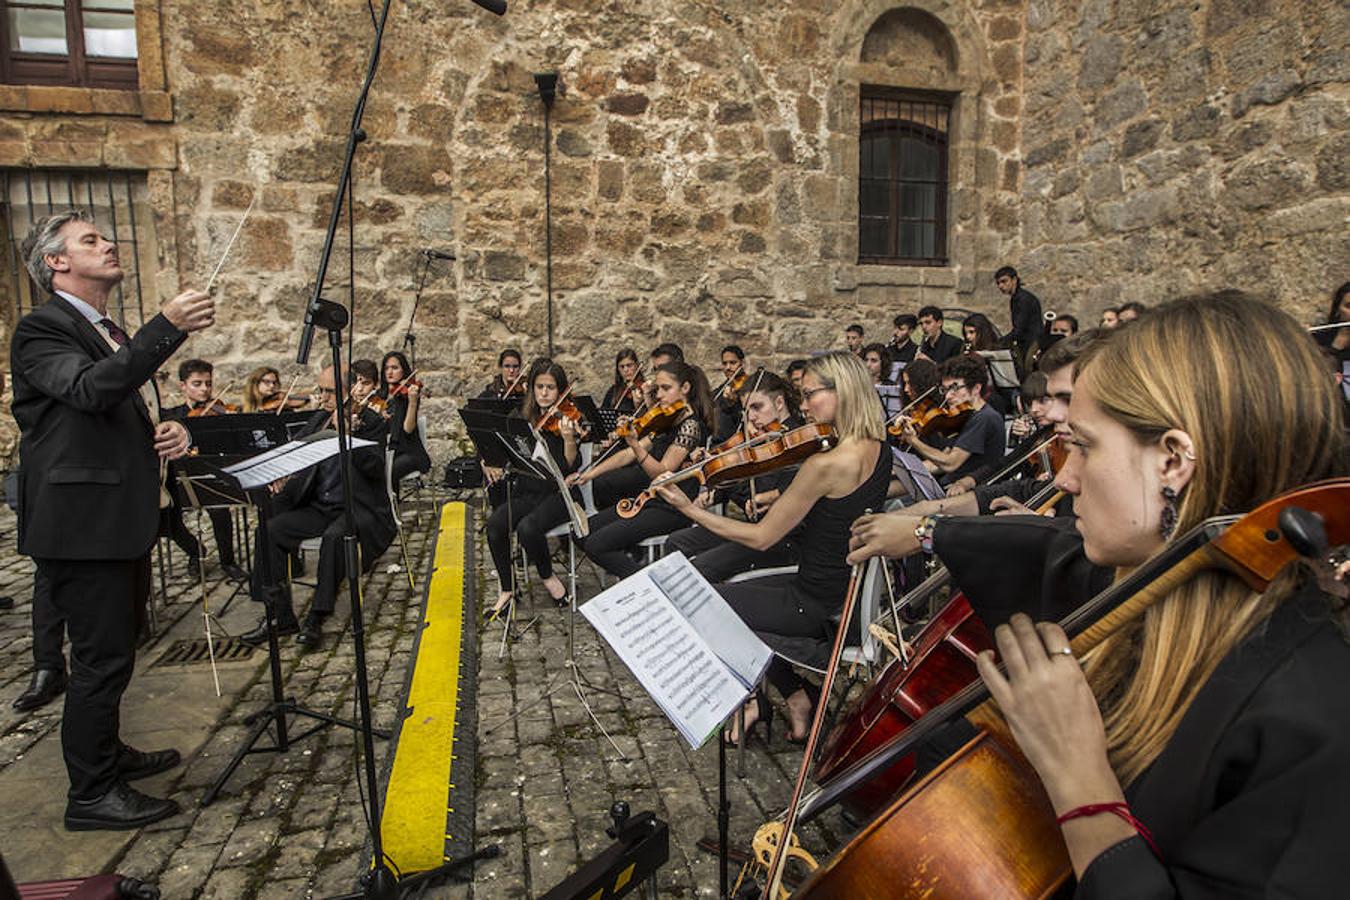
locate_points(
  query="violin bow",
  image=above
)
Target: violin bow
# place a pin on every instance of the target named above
(557, 404)
(512, 386)
(240, 227)
(910, 405)
(287, 396)
(745, 431)
(774, 880)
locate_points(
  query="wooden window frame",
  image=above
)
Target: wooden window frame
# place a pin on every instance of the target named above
(75, 69)
(942, 103)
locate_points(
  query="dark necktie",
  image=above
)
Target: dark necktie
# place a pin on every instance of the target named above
(115, 332)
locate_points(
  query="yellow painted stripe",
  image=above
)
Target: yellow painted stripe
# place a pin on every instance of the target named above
(419, 783)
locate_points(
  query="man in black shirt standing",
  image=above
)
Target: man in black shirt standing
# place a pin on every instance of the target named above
(937, 345)
(1024, 308)
(901, 347)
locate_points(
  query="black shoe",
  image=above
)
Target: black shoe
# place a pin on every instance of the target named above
(46, 686)
(234, 572)
(121, 809)
(133, 764)
(258, 636)
(6, 603)
(311, 633)
(765, 711)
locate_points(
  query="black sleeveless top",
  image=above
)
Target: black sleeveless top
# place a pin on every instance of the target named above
(822, 545)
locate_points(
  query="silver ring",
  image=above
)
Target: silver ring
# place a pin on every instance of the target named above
(1063, 651)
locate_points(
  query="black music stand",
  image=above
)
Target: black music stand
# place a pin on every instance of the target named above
(276, 711)
(506, 442)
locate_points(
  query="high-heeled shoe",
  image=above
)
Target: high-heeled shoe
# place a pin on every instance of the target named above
(812, 694)
(490, 615)
(765, 716)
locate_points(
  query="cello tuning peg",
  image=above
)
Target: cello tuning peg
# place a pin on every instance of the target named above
(1304, 531)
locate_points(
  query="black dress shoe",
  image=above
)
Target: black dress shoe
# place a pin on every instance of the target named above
(46, 686)
(122, 808)
(311, 633)
(133, 764)
(234, 572)
(258, 636)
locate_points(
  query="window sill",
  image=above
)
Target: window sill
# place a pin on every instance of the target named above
(905, 275)
(152, 106)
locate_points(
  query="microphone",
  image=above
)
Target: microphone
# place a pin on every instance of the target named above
(493, 6)
(437, 254)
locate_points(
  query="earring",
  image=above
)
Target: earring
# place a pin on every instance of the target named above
(1168, 522)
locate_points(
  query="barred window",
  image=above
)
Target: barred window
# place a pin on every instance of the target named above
(902, 177)
(120, 208)
(88, 43)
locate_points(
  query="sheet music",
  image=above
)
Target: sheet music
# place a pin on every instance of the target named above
(700, 604)
(669, 658)
(288, 459)
(581, 525)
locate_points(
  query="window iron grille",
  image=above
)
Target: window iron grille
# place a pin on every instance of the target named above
(903, 178)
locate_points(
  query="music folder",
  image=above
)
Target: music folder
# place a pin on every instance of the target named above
(290, 458)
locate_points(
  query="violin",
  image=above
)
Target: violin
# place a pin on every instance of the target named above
(515, 388)
(636, 384)
(213, 407)
(935, 418)
(276, 403)
(1049, 458)
(563, 408)
(999, 836)
(654, 421)
(740, 437)
(403, 387)
(735, 381)
(778, 450)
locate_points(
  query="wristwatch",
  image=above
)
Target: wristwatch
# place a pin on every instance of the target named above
(924, 532)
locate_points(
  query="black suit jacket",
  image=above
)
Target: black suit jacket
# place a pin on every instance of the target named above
(89, 480)
(375, 527)
(943, 349)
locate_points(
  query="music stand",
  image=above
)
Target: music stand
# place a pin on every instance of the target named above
(590, 414)
(280, 706)
(506, 443)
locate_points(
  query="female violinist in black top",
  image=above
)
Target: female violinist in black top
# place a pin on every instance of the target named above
(1219, 714)
(535, 507)
(402, 398)
(830, 490)
(626, 392)
(611, 537)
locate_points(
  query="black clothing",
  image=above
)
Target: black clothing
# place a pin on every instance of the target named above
(983, 437)
(1024, 309)
(1040, 568)
(303, 510)
(89, 458)
(409, 453)
(943, 349)
(49, 628)
(628, 404)
(1019, 489)
(534, 509)
(718, 558)
(1248, 797)
(87, 447)
(222, 525)
(903, 353)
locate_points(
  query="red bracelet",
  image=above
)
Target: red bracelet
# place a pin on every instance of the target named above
(1119, 809)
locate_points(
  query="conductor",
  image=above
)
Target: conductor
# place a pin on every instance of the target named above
(93, 452)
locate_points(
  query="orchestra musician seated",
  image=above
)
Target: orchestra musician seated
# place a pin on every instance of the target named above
(263, 393)
(196, 382)
(309, 504)
(401, 396)
(965, 381)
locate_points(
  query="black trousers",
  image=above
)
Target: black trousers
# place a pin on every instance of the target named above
(719, 559)
(49, 627)
(612, 487)
(284, 532)
(222, 525)
(103, 604)
(407, 463)
(769, 606)
(532, 515)
(612, 536)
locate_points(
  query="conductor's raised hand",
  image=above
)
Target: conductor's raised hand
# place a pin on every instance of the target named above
(191, 311)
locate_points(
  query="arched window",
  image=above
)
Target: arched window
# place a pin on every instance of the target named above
(902, 177)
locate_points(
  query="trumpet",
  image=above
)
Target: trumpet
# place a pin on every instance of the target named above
(1049, 316)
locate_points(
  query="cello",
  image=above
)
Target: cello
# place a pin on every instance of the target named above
(981, 824)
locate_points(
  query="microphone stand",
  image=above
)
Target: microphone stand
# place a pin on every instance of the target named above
(410, 339)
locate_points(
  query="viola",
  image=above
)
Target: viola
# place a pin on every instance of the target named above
(213, 407)
(777, 451)
(401, 389)
(1049, 459)
(986, 824)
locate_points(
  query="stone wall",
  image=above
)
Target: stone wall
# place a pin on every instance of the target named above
(1171, 147)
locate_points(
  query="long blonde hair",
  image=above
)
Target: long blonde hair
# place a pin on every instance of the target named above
(859, 413)
(1246, 382)
(252, 399)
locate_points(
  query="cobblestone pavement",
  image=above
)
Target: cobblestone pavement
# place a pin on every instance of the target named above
(290, 825)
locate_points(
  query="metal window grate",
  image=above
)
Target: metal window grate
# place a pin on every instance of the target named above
(118, 203)
(902, 178)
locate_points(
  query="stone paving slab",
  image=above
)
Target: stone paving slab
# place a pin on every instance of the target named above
(290, 825)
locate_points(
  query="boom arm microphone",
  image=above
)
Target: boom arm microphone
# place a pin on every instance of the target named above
(493, 6)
